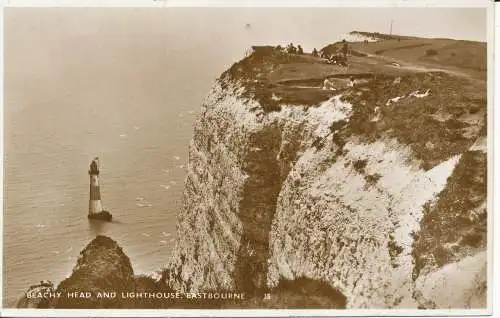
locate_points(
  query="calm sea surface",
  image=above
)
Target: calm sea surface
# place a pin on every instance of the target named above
(129, 97)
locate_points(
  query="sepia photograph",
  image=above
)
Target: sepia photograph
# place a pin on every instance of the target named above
(330, 158)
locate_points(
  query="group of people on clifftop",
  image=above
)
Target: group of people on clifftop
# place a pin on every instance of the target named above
(290, 49)
(339, 57)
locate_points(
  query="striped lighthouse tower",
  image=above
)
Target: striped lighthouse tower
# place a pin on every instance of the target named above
(95, 204)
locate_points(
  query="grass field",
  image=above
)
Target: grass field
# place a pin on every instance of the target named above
(275, 78)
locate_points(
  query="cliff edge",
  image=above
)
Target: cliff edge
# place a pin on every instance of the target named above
(375, 186)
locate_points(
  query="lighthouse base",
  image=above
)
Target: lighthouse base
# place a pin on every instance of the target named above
(102, 216)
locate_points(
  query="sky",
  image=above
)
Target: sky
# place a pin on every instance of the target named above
(212, 38)
(310, 26)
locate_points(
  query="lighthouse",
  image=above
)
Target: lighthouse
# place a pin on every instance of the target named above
(95, 205)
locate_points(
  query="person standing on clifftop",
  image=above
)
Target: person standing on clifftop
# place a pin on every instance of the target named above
(94, 168)
(300, 50)
(345, 48)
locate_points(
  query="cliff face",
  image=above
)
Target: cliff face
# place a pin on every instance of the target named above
(235, 172)
(357, 189)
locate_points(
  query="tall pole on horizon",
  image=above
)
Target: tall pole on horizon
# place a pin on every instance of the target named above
(390, 31)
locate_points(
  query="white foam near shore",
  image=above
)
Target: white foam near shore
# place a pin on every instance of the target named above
(141, 202)
(144, 205)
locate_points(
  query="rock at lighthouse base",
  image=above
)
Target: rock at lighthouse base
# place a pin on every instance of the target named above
(102, 216)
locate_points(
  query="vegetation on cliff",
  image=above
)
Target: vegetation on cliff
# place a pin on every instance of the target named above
(455, 226)
(436, 126)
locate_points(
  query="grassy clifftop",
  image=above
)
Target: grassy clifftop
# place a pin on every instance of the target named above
(428, 93)
(459, 54)
(276, 78)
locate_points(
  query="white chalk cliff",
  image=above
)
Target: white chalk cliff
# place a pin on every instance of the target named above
(299, 192)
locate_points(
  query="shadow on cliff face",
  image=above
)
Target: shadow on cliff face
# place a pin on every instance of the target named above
(257, 209)
(303, 293)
